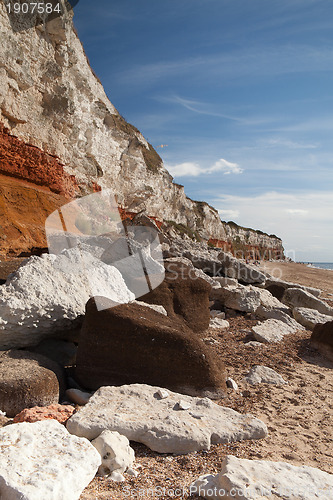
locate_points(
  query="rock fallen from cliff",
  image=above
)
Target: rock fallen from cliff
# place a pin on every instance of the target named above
(237, 269)
(260, 479)
(115, 451)
(219, 323)
(224, 281)
(47, 294)
(271, 330)
(239, 298)
(296, 297)
(264, 375)
(184, 296)
(140, 414)
(278, 286)
(322, 339)
(194, 271)
(27, 380)
(42, 460)
(60, 413)
(309, 318)
(131, 343)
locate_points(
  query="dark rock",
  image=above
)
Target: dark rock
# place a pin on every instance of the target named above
(60, 351)
(276, 290)
(28, 380)
(322, 339)
(131, 343)
(184, 296)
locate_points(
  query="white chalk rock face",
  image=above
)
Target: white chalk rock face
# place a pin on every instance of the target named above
(261, 480)
(43, 461)
(264, 375)
(138, 412)
(271, 330)
(310, 317)
(46, 294)
(115, 451)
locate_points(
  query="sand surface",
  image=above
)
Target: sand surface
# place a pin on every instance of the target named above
(302, 274)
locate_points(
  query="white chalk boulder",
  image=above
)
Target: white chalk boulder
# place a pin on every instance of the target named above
(261, 480)
(271, 330)
(310, 317)
(115, 451)
(43, 461)
(264, 375)
(46, 294)
(138, 412)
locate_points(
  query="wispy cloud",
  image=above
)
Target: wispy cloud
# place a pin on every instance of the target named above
(205, 108)
(187, 169)
(297, 218)
(252, 62)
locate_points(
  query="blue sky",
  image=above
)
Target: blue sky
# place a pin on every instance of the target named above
(240, 92)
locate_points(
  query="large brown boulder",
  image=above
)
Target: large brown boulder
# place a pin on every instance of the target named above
(322, 339)
(184, 296)
(132, 343)
(28, 380)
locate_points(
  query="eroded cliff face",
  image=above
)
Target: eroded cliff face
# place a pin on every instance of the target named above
(70, 140)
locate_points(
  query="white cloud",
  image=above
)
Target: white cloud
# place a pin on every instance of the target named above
(296, 211)
(302, 219)
(229, 214)
(194, 169)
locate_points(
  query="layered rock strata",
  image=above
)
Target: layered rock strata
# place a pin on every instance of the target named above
(51, 100)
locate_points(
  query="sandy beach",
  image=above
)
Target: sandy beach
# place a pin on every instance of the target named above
(302, 274)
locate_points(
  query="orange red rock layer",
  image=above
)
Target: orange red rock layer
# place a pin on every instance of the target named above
(26, 162)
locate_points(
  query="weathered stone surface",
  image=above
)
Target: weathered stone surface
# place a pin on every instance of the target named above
(235, 268)
(219, 323)
(277, 287)
(322, 339)
(61, 413)
(264, 375)
(231, 384)
(295, 297)
(79, 397)
(268, 301)
(184, 296)
(240, 298)
(271, 330)
(310, 317)
(47, 294)
(137, 412)
(134, 344)
(260, 480)
(115, 452)
(278, 314)
(224, 281)
(42, 460)
(28, 380)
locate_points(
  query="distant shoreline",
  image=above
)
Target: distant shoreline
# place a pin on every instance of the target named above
(302, 274)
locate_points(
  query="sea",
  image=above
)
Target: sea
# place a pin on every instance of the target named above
(322, 265)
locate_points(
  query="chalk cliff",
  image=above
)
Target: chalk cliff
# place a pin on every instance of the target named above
(61, 137)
